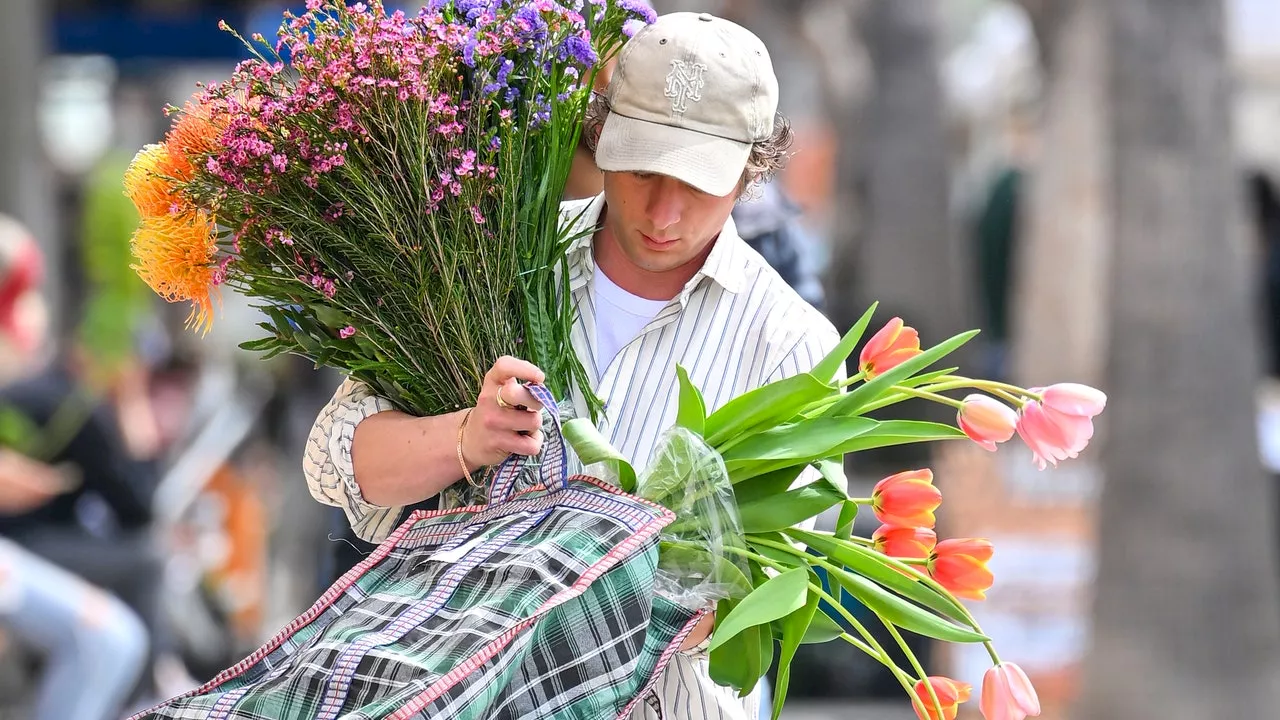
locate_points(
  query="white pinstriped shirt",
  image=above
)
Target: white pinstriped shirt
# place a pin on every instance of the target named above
(735, 326)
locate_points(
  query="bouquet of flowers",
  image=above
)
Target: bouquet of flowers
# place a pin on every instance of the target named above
(390, 191)
(771, 576)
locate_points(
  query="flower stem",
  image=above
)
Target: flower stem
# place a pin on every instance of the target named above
(927, 395)
(915, 663)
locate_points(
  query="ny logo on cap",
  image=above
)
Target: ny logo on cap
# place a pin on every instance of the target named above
(684, 83)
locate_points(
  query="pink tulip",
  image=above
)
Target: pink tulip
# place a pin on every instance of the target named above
(1073, 399)
(1007, 694)
(986, 421)
(1061, 425)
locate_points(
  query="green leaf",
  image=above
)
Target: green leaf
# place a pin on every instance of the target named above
(259, 345)
(872, 565)
(833, 472)
(794, 628)
(737, 663)
(821, 629)
(592, 448)
(844, 525)
(808, 439)
(892, 608)
(927, 378)
(777, 597)
(853, 402)
(901, 432)
(692, 413)
(827, 368)
(766, 655)
(764, 407)
(766, 486)
(787, 509)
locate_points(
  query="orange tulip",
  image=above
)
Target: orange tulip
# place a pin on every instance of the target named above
(904, 542)
(950, 694)
(1007, 694)
(960, 566)
(986, 421)
(893, 345)
(907, 499)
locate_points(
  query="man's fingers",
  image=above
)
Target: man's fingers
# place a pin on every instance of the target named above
(510, 368)
(518, 396)
(530, 444)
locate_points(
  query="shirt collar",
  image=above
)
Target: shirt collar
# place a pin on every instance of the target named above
(725, 265)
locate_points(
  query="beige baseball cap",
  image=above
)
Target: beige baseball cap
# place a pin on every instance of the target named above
(690, 95)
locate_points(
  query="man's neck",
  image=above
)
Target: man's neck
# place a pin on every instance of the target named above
(647, 284)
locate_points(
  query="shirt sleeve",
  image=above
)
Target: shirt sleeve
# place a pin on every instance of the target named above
(327, 465)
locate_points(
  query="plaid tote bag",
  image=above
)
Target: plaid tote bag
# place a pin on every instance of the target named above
(539, 604)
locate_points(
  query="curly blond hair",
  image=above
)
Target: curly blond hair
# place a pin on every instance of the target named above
(767, 157)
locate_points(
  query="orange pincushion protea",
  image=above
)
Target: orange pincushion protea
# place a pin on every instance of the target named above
(195, 133)
(175, 257)
(148, 182)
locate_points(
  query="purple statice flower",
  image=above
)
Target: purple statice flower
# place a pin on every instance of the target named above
(639, 9)
(469, 52)
(577, 49)
(530, 28)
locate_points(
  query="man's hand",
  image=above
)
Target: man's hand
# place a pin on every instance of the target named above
(26, 484)
(700, 632)
(507, 419)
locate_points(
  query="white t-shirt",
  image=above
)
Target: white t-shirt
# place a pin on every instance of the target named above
(620, 316)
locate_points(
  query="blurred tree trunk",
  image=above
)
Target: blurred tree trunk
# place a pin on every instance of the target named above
(898, 248)
(906, 259)
(1187, 608)
(26, 182)
(1062, 247)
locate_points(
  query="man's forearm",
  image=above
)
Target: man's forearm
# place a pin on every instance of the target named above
(400, 459)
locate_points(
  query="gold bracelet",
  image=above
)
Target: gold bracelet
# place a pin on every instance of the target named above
(462, 461)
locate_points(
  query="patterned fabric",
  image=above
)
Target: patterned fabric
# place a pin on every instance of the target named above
(538, 605)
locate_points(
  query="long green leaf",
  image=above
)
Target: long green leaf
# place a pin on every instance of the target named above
(813, 438)
(787, 509)
(882, 434)
(821, 629)
(766, 486)
(826, 368)
(853, 402)
(871, 564)
(737, 663)
(592, 448)
(833, 472)
(766, 655)
(844, 524)
(692, 411)
(777, 597)
(764, 407)
(892, 608)
(794, 628)
(900, 432)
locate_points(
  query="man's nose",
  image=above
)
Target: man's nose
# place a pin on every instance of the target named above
(665, 204)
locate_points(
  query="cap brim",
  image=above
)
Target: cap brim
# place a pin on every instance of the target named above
(709, 163)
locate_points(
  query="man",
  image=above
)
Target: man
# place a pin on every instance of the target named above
(687, 125)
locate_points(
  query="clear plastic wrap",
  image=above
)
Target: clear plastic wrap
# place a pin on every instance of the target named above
(696, 565)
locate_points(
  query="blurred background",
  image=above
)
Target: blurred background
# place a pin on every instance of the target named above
(1093, 183)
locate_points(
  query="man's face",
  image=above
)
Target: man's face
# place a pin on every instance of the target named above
(660, 223)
